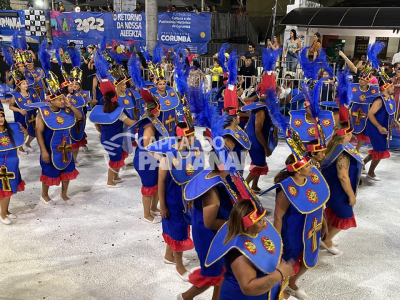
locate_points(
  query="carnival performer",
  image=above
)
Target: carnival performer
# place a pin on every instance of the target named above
(137, 82)
(24, 114)
(251, 249)
(53, 123)
(213, 197)
(380, 124)
(150, 129)
(301, 192)
(342, 170)
(183, 160)
(12, 135)
(37, 74)
(68, 88)
(110, 120)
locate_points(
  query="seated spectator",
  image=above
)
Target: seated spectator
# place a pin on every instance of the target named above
(248, 74)
(251, 52)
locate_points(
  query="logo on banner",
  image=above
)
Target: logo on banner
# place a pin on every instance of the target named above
(90, 23)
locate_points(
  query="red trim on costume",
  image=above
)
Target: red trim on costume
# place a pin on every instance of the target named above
(363, 137)
(337, 222)
(6, 194)
(120, 163)
(149, 191)
(379, 154)
(179, 246)
(69, 176)
(79, 144)
(134, 144)
(199, 280)
(50, 181)
(258, 170)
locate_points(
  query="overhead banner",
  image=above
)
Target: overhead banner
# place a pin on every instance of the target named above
(187, 29)
(11, 20)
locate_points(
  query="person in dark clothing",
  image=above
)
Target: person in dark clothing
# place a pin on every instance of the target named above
(248, 73)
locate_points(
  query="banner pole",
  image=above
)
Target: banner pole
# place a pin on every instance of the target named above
(151, 10)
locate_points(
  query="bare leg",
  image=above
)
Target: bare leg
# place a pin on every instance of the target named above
(28, 142)
(254, 186)
(250, 178)
(4, 207)
(179, 263)
(374, 164)
(116, 174)
(64, 189)
(293, 279)
(110, 177)
(146, 207)
(332, 232)
(359, 145)
(45, 192)
(217, 290)
(154, 203)
(367, 159)
(169, 254)
(193, 292)
(75, 154)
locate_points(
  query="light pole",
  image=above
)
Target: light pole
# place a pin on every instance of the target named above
(273, 20)
(151, 10)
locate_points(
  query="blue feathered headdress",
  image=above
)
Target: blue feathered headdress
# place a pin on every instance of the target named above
(344, 88)
(75, 56)
(221, 56)
(232, 67)
(8, 55)
(322, 58)
(373, 52)
(316, 95)
(134, 69)
(269, 58)
(146, 54)
(180, 76)
(15, 40)
(44, 56)
(310, 68)
(157, 54)
(115, 56)
(278, 119)
(103, 43)
(102, 65)
(57, 54)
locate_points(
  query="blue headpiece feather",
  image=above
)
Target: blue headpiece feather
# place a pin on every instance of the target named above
(221, 55)
(232, 67)
(202, 107)
(315, 99)
(373, 52)
(101, 65)
(75, 56)
(115, 56)
(269, 58)
(44, 56)
(134, 69)
(325, 65)
(180, 76)
(103, 44)
(310, 68)
(344, 88)
(277, 118)
(157, 53)
(8, 55)
(15, 40)
(57, 55)
(22, 41)
(146, 54)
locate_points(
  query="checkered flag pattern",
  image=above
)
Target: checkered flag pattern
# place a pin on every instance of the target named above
(35, 23)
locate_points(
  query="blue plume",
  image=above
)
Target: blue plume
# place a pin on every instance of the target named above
(204, 109)
(373, 52)
(310, 68)
(157, 53)
(232, 67)
(195, 103)
(101, 65)
(181, 78)
(44, 57)
(322, 58)
(115, 56)
(103, 43)
(269, 58)
(221, 55)
(57, 55)
(75, 56)
(8, 55)
(344, 88)
(146, 54)
(22, 41)
(315, 99)
(278, 119)
(15, 41)
(134, 69)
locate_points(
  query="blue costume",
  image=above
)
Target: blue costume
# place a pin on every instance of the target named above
(183, 166)
(360, 104)
(58, 143)
(338, 210)
(78, 130)
(385, 117)
(145, 164)
(11, 181)
(242, 144)
(28, 121)
(38, 86)
(257, 152)
(203, 236)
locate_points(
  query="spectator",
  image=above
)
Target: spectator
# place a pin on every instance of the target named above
(217, 72)
(214, 9)
(84, 55)
(196, 76)
(189, 9)
(87, 8)
(195, 9)
(240, 11)
(396, 83)
(208, 9)
(139, 7)
(292, 46)
(316, 44)
(251, 52)
(328, 88)
(396, 58)
(248, 70)
(174, 9)
(360, 62)
(61, 7)
(169, 8)
(190, 56)
(275, 45)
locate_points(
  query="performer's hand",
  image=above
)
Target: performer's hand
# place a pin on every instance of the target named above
(341, 53)
(352, 200)
(23, 112)
(45, 157)
(164, 212)
(383, 130)
(268, 152)
(68, 100)
(286, 268)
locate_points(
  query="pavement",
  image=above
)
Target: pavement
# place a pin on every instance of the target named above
(101, 249)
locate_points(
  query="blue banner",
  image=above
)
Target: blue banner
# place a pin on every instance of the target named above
(188, 29)
(11, 20)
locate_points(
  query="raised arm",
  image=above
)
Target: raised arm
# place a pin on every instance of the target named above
(348, 62)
